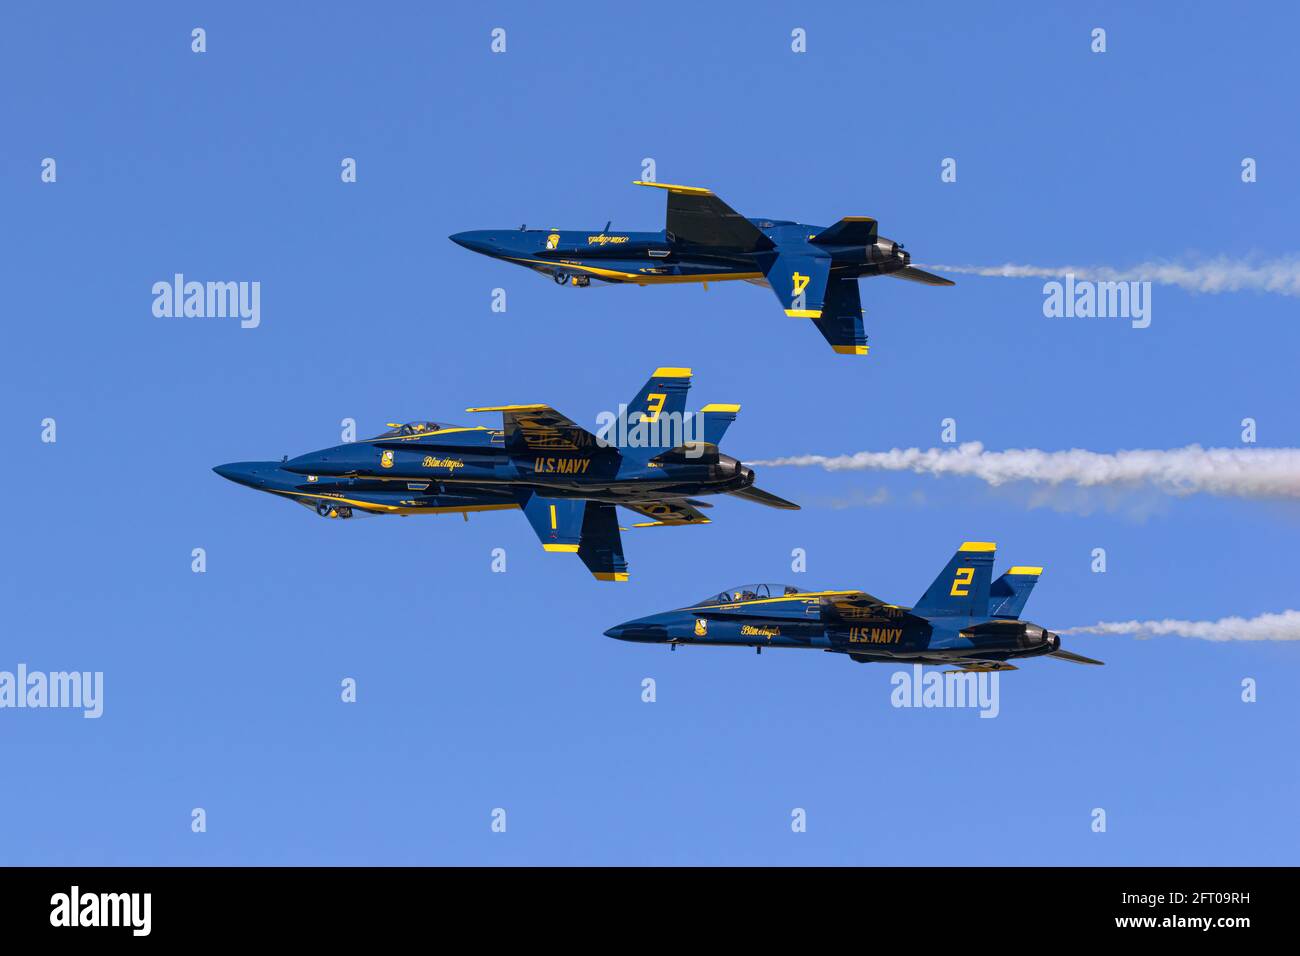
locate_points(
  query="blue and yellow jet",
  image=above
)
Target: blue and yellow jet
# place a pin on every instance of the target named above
(652, 457)
(814, 271)
(964, 619)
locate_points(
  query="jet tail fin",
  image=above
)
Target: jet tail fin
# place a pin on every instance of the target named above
(1009, 593)
(601, 545)
(962, 588)
(709, 425)
(807, 290)
(586, 528)
(656, 418)
(717, 419)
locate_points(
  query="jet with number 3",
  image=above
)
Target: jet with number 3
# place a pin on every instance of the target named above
(813, 270)
(965, 619)
(652, 458)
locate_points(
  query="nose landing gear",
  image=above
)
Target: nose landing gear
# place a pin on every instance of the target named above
(563, 278)
(327, 510)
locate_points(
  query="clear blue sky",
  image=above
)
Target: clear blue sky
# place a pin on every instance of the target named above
(481, 690)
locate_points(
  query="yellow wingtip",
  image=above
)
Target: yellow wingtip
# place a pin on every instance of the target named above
(506, 408)
(561, 548)
(610, 575)
(675, 188)
(852, 349)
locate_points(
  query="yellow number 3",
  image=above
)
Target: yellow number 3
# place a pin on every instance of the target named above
(654, 406)
(961, 583)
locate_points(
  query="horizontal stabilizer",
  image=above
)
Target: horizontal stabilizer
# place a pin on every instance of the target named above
(759, 496)
(912, 274)
(1065, 655)
(849, 231)
(678, 511)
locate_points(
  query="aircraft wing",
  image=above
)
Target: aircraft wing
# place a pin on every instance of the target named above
(540, 428)
(675, 512)
(857, 605)
(697, 216)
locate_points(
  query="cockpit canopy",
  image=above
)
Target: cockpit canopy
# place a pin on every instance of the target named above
(752, 592)
(409, 429)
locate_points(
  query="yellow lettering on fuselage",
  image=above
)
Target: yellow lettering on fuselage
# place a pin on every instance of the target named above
(561, 466)
(875, 635)
(451, 464)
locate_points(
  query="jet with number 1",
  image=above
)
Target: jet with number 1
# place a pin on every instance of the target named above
(964, 619)
(653, 458)
(813, 270)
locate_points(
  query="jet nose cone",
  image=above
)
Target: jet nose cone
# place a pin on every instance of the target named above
(475, 241)
(646, 630)
(248, 473)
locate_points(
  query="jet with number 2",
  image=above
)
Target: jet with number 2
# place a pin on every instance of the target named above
(652, 459)
(965, 619)
(814, 271)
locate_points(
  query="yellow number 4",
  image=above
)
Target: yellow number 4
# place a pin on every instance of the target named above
(961, 583)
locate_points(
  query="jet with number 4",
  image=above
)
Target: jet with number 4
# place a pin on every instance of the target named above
(965, 619)
(813, 270)
(652, 458)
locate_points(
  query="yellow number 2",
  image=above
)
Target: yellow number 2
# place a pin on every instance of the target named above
(961, 583)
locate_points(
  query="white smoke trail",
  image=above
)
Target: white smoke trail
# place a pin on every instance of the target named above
(1230, 472)
(1265, 627)
(1222, 274)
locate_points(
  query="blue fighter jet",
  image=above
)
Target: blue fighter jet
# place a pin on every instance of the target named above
(651, 457)
(814, 271)
(964, 619)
